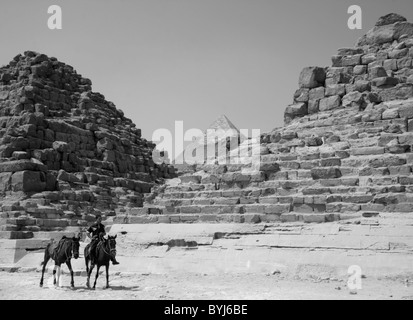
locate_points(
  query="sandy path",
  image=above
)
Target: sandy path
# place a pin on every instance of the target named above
(183, 286)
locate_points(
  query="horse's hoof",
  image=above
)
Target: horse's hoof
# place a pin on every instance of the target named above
(41, 285)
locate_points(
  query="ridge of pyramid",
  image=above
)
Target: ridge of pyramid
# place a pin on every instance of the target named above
(222, 122)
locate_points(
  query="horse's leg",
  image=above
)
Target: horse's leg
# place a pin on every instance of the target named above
(69, 265)
(92, 265)
(45, 261)
(87, 264)
(97, 275)
(85, 252)
(107, 275)
(59, 269)
(54, 273)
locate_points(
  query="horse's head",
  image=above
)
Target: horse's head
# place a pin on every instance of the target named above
(75, 246)
(111, 241)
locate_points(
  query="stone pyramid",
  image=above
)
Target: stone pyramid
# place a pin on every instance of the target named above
(66, 153)
(224, 133)
(344, 152)
(223, 123)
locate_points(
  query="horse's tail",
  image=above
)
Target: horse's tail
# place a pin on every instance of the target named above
(46, 250)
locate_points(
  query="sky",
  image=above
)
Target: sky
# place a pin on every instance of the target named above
(162, 61)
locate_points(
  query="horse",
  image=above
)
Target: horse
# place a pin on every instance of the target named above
(61, 253)
(104, 251)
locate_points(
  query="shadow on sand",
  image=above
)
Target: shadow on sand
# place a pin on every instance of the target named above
(84, 288)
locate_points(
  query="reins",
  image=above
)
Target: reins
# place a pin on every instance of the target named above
(110, 249)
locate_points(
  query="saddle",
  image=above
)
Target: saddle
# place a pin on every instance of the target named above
(57, 247)
(100, 241)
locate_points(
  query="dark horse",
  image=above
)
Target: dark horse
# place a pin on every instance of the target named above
(61, 253)
(104, 251)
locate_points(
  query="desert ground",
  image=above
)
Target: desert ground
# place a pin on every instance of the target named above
(124, 286)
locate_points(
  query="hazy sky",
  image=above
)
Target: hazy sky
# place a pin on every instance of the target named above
(191, 60)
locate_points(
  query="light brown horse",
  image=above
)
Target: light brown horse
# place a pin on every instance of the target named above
(61, 253)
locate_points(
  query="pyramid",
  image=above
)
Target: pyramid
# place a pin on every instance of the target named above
(66, 153)
(345, 150)
(223, 131)
(223, 123)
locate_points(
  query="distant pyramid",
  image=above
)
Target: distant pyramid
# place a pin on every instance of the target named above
(223, 123)
(225, 133)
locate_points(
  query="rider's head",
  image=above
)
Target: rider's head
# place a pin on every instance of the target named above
(98, 218)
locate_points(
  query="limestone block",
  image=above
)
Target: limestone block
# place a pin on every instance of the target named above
(29, 181)
(312, 77)
(317, 93)
(330, 103)
(325, 173)
(335, 89)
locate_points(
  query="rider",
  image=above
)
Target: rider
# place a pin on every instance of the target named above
(95, 231)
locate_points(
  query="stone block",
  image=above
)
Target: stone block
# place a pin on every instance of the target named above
(303, 208)
(360, 70)
(404, 63)
(335, 90)
(277, 209)
(29, 181)
(377, 72)
(330, 103)
(362, 86)
(299, 109)
(21, 165)
(312, 77)
(302, 95)
(390, 64)
(325, 173)
(331, 162)
(352, 97)
(368, 58)
(390, 114)
(5, 181)
(399, 92)
(288, 217)
(351, 61)
(367, 151)
(406, 111)
(385, 81)
(313, 106)
(314, 218)
(317, 93)
(398, 54)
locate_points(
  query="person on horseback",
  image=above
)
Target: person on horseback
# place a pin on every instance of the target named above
(95, 232)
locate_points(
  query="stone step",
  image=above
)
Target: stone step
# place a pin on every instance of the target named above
(16, 235)
(68, 232)
(232, 218)
(386, 184)
(347, 176)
